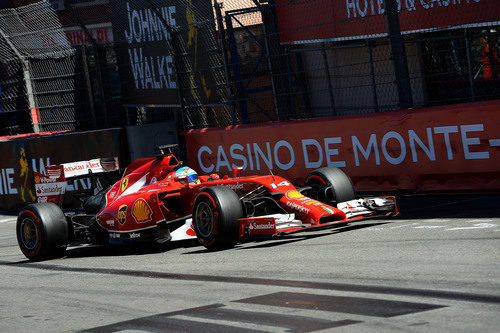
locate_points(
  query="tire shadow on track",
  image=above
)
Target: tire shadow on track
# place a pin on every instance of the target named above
(448, 206)
(126, 250)
(267, 242)
(87, 251)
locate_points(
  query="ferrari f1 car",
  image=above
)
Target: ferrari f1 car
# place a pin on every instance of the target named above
(159, 200)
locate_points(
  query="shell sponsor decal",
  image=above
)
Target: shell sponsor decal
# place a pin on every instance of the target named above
(294, 194)
(122, 214)
(311, 202)
(124, 184)
(141, 211)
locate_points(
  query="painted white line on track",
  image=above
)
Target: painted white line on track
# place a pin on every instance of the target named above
(476, 226)
(429, 227)
(481, 221)
(402, 226)
(436, 221)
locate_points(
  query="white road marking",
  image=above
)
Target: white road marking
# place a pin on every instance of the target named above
(403, 226)
(8, 220)
(445, 223)
(476, 226)
(435, 220)
(481, 221)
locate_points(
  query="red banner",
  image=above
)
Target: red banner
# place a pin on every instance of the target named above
(315, 20)
(455, 147)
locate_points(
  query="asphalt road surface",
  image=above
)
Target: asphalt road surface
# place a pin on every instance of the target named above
(435, 268)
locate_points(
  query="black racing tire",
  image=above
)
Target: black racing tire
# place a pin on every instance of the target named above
(42, 231)
(216, 211)
(338, 185)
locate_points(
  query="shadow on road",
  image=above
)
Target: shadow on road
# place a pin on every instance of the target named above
(266, 242)
(448, 206)
(125, 250)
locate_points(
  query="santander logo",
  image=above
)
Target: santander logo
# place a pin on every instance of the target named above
(257, 226)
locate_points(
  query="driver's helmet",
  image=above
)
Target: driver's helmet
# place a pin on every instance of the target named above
(192, 176)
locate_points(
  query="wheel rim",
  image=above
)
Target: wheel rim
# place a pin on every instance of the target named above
(317, 183)
(29, 234)
(204, 219)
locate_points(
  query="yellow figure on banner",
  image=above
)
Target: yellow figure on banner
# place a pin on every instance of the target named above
(23, 162)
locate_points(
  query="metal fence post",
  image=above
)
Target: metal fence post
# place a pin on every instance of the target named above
(469, 66)
(31, 98)
(329, 78)
(369, 45)
(398, 55)
(88, 85)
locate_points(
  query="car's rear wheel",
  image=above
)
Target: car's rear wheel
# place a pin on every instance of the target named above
(330, 185)
(42, 231)
(216, 212)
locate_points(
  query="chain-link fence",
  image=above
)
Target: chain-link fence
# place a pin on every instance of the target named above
(49, 77)
(14, 117)
(94, 64)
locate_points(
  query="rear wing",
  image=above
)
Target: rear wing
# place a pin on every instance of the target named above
(52, 186)
(95, 166)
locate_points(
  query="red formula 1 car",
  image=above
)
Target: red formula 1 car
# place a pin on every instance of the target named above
(158, 200)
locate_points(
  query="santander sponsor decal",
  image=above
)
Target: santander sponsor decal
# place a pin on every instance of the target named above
(259, 226)
(47, 189)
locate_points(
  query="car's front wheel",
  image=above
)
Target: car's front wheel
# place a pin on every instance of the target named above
(216, 212)
(330, 185)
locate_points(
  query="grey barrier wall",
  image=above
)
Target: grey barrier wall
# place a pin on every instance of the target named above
(20, 157)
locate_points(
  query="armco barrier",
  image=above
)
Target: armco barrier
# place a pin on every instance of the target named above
(449, 148)
(22, 155)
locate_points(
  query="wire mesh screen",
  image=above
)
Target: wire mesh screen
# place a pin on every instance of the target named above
(13, 101)
(169, 56)
(51, 82)
(348, 53)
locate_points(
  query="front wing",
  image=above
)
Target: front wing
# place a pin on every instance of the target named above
(279, 225)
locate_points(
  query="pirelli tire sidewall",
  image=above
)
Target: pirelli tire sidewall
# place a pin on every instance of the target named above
(51, 232)
(342, 188)
(221, 230)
